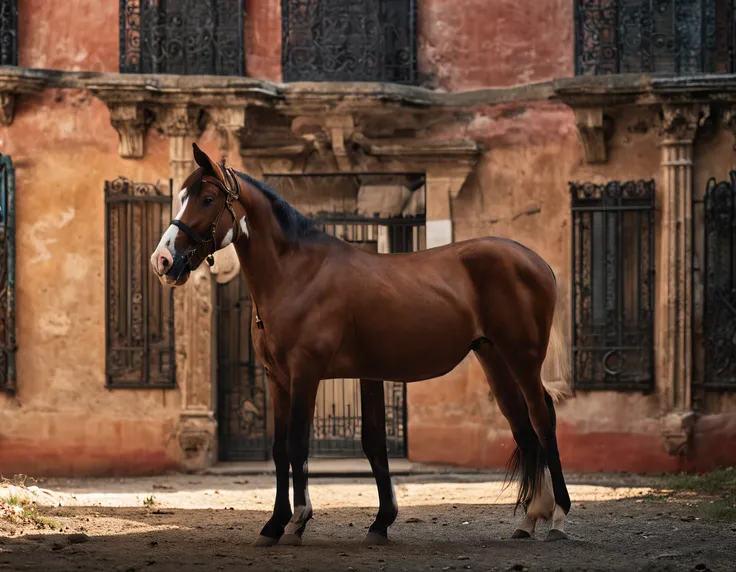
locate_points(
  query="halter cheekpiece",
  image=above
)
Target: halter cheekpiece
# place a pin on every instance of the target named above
(205, 246)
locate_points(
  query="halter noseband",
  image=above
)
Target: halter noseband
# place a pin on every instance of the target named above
(205, 246)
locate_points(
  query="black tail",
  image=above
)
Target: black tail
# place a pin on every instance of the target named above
(527, 462)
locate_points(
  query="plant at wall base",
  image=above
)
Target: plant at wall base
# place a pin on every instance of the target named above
(149, 502)
(713, 494)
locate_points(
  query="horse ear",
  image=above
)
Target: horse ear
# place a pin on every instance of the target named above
(203, 160)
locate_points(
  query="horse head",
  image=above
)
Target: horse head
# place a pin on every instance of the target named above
(211, 217)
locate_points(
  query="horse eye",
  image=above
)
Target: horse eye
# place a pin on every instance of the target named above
(208, 201)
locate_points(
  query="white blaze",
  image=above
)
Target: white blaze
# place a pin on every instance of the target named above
(169, 237)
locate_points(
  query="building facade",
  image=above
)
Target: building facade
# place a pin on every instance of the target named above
(599, 133)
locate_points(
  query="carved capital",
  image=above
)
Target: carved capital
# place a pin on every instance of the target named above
(680, 122)
(196, 437)
(677, 432)
(592, 126)
(128, 121)
(182, 120)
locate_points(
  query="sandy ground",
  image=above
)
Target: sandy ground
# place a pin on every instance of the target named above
(446, 522)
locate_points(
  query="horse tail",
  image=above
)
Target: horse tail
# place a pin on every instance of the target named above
(556, 370)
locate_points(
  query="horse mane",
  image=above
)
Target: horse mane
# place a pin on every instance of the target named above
(294, 224)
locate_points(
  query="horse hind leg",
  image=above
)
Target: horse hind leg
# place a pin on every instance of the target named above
(373, 438)
(527, 461)
(543, 419)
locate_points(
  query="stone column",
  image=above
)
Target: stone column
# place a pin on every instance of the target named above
(675, 296)
(197, 430)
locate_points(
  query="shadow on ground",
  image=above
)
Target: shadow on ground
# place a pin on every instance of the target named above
(626, 534)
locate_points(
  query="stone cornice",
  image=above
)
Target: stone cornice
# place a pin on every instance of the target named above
(14, 84)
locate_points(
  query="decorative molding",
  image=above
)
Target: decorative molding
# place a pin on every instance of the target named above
(591, 124)
(128, 120)
(14, 84)
(197, 439)
(339, 129)
(677, 432)
(230, 124)
(729, 122)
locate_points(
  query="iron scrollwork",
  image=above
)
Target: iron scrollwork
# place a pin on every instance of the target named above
(8, 33)
(185, 37)
(719, 308)
(333, 40)
(613, 288)
(139, 310)
(671, 36)
(7, 275)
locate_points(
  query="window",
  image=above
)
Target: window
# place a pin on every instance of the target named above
(8, 33)
(140, 311)
(648, 36)
(7, 274)
(613, 285)
(185, 37)
(335, 40)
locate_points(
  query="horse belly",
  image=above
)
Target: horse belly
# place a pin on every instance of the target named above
(428, 348)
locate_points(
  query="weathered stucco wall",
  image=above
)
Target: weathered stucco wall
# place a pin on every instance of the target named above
(520, 191)
(62, 419)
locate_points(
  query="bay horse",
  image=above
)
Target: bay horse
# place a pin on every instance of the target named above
(324, 309)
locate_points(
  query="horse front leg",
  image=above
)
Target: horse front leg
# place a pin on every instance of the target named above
(374, 446)
(303, 396)
(274, 528)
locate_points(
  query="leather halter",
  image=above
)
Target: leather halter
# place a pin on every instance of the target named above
(205, 246)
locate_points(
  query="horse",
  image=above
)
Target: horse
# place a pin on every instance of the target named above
(324, 309)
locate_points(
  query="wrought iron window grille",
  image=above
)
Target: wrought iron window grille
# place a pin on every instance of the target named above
(613, 286)
(139, 310)
(650, 36)
(334, 40)
(187, 37)
(714, 219)
(7, 275)
(8, 33)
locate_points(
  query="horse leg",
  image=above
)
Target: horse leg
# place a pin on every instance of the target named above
(374, 446)
(274, 528)
(533, 496)
(303, 396)
(543, 419)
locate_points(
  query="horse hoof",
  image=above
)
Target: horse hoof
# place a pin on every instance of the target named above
(290, 540)
(265, 541)
(519, 534)
(555, 534)
(375, 539)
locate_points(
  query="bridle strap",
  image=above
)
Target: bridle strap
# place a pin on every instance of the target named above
(189, 231)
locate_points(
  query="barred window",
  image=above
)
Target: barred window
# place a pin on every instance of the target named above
(648, 36)
(613, 285)
(8, 33)
(185, 37)
(7, 274)
(334, 40)
(140, 311)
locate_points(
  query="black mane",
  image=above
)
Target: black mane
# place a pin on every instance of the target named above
(293, 224)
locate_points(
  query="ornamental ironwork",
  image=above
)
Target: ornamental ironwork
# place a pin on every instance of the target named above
(7, 274)
(719, 300)
(187, 37)
(334, 40)
(8, 33)
(649, 36)
(139, 309)
(613, 286)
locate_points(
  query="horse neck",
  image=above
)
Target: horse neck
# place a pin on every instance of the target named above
(260, 253)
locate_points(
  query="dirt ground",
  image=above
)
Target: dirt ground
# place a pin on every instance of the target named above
(446, 522)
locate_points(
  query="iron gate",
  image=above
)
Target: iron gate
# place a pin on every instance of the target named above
(714, 241)
(244, 413)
